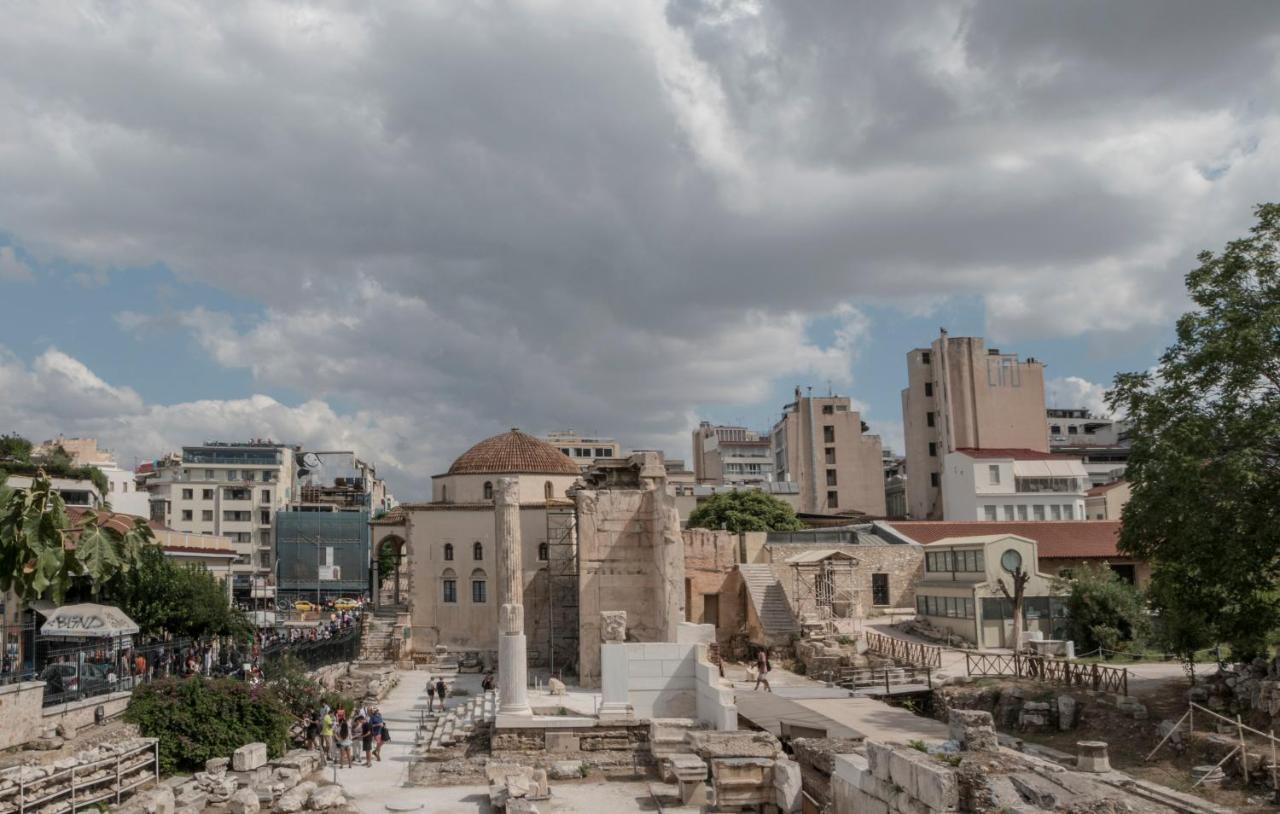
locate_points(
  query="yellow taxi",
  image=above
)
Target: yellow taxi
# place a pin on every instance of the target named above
(345, 604)
(303, 606)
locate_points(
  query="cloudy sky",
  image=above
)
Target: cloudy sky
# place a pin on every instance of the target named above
(405, 229)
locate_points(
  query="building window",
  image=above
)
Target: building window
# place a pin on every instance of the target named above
(186, 515)
(448, 551)
(233, 474)
(188, 494)
(1008, 511)
(488, 490)
(925, 357)
(934, 480)
(111, 486)
(828, 409)
(828, 434)
(1072, 429)
(833, 500)
(928, 390)
(1068, 512)
(1037, 512)
(444, 494)
(1055, 511)
(831, 455)
(206, 494)
(993, 474)
(831, 477)
(1022, 512)
(1055, 430)
(264, 517)
(989, 512)
(548, 491)
(565, 450)
(603, 452)
(477, 552)
(933, 449)
(207, 515)
(928, 418)
(880, 589)
(208, 474)
(543, 551)
(479, 588)
(450, 586)
(266, 495)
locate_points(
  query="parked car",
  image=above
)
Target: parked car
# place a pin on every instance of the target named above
(303, 606)
(345, 604)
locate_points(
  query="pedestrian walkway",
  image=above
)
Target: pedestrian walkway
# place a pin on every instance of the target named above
(372, 788)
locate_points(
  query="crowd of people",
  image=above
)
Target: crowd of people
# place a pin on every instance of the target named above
(346, 737)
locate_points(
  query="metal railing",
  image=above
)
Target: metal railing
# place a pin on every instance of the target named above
(345, 646)
(888, 679)
(1050, 670)
(915, 653)
(86, 785)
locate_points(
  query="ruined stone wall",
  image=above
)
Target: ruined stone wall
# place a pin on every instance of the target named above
(630, 558)
(903, 563)
(710, 558)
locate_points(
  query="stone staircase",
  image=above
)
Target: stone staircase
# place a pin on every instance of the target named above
(379, 637)
(440, 730)
(769, 600)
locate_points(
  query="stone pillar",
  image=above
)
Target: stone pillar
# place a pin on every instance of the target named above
(513, 666)
(1091, 756)
(615, 675)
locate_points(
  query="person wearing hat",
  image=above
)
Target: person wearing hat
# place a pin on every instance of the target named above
(365, 732)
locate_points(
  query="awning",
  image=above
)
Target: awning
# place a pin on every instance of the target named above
(88, 621)
(1049, 469)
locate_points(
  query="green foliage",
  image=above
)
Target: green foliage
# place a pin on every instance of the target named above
(386, 562)
(16, 459)
(298, 692)
(36, 552)
(197, 719)
(1104, 610)
(184, 600)
(918, 745)
(1205, 457)
(744, 510)
(14, 448)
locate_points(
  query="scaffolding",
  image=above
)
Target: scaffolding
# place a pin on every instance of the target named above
(825, 590)
(562, 590)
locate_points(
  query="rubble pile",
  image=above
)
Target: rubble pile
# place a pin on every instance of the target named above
(248, 782)
(98, 774)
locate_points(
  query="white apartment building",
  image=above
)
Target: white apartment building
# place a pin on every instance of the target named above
(122, 491)
(731, 456)
(583, 449)
(1012, 484)
(228, 489)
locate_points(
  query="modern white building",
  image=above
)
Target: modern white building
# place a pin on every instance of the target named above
(731, 456)
(75, 492)
(1013, 484)
(583, 449)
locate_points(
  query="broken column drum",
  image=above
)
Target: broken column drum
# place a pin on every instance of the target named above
(513, 666)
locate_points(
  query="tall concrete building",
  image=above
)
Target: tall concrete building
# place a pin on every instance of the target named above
(821, 444)
(962, 395)
(730, 456)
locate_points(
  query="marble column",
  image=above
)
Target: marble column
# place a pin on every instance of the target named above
(513, 665)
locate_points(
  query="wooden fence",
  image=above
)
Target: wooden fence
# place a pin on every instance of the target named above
(890, 680)
(1053, 671)
(901, 650)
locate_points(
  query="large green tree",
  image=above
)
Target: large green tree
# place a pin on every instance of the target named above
(1205, 461)
(1103, 610)
(184, 600)
(744, 510)
(43, 553)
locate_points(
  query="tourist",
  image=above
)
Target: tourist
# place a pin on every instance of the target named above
(487, 683)
(326, 731)
(379, 727)
(431, 695)
(762, 670)
(440, 691)
(366, 740)
(344, 739)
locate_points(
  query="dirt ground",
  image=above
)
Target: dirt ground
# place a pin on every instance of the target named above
(1131, 741)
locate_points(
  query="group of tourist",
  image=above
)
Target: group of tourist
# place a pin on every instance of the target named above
(338, 734)
(438, 688)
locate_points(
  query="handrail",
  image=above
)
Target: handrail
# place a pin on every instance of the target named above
(917, 653)
(1050, 670)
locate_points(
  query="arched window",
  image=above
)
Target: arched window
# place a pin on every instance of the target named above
(543, 551)
(448, 551)
(444, 494)
(477, 552)
(548, 490)
(488, 490)
(449, 587)
(479, 587)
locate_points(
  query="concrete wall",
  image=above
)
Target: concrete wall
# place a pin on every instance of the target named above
(901, 562)
(470, 488)
(1109, 504)
(1055, 566)
(20, 711)
(77, 715)
(675, 680)
(709, 560)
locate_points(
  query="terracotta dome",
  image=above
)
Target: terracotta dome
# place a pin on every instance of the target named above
(513, 453)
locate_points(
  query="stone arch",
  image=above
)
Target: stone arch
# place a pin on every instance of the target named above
(548, 490)
(488, 490)
(448, 552)
(477, 550)
(544, 552)
(449, 587)
(390, 587)
(479, 587)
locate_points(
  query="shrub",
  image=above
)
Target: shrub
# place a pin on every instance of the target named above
(1104, 610)
(196, 719)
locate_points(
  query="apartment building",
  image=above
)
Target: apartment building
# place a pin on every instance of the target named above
(228, 489)
(1013, 484)
(1102, 443)
(731, 456)
(821, 444)
(962, 395)
(122, 492)
(582, 449)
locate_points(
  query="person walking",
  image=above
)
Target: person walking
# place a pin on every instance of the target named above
(762, 670)
(440, 691)
(344, 739)
(326, 732)
(431, 696)
(379, 727)
(366, 740)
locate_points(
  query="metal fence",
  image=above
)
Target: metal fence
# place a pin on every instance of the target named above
(345, 646)
(1050, 670)
(901, 650)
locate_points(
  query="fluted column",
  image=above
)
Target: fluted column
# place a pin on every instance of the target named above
(513, 667)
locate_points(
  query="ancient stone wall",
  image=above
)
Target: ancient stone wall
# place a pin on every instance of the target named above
(903, 564)
(714, 596)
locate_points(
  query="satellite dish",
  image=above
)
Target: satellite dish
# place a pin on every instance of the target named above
(310, 460)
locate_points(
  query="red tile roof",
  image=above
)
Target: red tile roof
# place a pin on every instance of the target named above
(1067, 539)
(513, 453)
(1016, 454)
(1104, 488)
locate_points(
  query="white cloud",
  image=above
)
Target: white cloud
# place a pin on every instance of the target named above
(1074, 392)
(12, 268)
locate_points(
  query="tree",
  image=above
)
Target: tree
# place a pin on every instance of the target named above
(744, 510)
(14, 448)
(163, 596)
(1104, 610)
(1019, 579)
(42, 552)
(1205, 459)
(387, 560)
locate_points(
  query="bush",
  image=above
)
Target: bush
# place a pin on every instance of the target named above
(1105, 611)
(196, 719)
(299, 693)
(744, 510)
